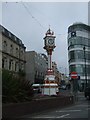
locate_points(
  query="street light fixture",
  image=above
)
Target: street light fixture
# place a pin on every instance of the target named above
(85, 65)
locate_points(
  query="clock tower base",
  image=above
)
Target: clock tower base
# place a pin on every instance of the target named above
(50, 86)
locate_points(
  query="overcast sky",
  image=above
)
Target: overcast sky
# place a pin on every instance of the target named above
(30, 20)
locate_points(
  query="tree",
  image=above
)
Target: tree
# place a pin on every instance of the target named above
(14, 88)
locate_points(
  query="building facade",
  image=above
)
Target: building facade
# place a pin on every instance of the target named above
(56, 72)
(36, 66)
(79, 51)
(13, 51)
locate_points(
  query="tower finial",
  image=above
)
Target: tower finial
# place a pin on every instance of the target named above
(49, 26)
(49, 31)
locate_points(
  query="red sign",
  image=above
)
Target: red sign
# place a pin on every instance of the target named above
(74, 75)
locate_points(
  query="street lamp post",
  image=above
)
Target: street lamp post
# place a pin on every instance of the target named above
(85, 65)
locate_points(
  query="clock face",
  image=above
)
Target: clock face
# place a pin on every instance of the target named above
(50, 41)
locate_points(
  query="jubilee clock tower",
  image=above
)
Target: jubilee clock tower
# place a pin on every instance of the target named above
(50, 86)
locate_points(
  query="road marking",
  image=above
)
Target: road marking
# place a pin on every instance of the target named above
(44, 117)
(69, 111)
(62, 116)
(84, 105)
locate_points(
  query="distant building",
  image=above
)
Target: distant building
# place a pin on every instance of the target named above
(12, 52)
(36, 66)
(56, 72)
(79, 59)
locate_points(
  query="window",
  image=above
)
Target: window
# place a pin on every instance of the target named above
(21, 54)
(5, 46)
(79, 68)
(72, 68)
(4, 63)
(78, 41)
(15, 38)
(9, 34)
(10, 64)
(22, 66)
(78, 54)
(17, 52)
(16, 67)
(11, 49)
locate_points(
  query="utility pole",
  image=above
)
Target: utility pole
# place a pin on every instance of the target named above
(85, 66)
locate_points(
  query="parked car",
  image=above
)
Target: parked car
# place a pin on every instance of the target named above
(87, 92)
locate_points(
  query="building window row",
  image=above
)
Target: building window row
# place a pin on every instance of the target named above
(12, 65)
(18, 52)
(78, 46)
(80, 33)
(80, 69)
(79, 54)
(79, 40)
(11, 36)
(78, 60)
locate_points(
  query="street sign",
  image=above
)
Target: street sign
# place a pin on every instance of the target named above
(74, 75)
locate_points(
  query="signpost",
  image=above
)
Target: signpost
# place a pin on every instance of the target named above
(74, 82)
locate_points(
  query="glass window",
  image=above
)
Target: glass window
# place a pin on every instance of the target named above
(79, 41)
(77, 54)
(72, 68)
(79, 68)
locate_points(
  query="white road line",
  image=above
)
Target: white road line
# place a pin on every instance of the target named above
(62, 116)
(44, 117)
(69, 111)
(84, 105)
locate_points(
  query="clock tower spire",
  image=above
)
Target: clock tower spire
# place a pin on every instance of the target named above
(49, 45)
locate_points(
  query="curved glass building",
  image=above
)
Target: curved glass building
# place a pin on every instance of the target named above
(79, 52)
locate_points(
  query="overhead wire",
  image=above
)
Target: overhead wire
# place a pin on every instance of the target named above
(36, 19)
(32, 15)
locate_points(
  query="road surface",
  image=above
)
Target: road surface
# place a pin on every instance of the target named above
(80, 110)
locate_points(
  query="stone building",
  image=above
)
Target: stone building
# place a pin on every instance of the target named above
(13, 51)
(36, 66)
(56, 72)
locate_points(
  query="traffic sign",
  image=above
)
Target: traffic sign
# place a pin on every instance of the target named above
(74, 75)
